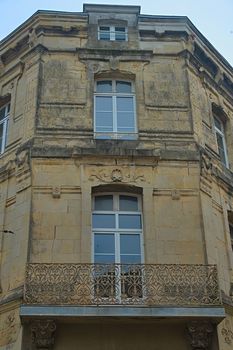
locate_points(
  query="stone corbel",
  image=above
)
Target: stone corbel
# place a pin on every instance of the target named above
(200, 334)
(190, 43)
(43, 334)
(219, 77)
(32, 37)
(22, 160)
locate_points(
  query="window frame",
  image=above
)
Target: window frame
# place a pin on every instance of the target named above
(117, 232)
(221, 133)
(4, 122)
(114, 134)
(112, 32)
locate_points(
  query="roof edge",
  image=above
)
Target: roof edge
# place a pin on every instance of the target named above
(130, 9)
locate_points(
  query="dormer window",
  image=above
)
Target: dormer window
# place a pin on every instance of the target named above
(112, 33)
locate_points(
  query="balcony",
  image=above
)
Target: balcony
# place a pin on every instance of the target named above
(122, 285)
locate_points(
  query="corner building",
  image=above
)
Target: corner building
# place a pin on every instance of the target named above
(116, 183)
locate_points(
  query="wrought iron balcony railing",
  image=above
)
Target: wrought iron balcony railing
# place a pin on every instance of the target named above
(122, 284)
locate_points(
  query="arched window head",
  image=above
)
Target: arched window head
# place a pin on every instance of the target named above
(115, 112)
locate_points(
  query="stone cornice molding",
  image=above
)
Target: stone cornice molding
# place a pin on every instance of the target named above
(213, 83)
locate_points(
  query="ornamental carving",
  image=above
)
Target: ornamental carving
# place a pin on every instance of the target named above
(9, 329)
(56, 192)
(227, 332)
(200, 334)
(206, 166)
(43, 333)
(117, 284)
(22, 159)
(117, 175)
(114, 63)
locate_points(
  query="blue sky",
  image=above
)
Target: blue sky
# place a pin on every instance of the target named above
(213, 18)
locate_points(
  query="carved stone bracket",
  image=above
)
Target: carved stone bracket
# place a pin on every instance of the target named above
(43, 333)
(190, 43)
(200, 334)
(32, 37)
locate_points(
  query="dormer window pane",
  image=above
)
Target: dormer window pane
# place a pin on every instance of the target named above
(120, 34)
(104, 33)
(112, 33)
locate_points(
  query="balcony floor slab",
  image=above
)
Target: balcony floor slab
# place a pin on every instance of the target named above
(32, 311)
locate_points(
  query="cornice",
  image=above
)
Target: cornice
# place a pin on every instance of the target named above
(207, 79)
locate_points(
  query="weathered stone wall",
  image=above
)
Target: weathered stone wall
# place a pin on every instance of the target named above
(61, 229)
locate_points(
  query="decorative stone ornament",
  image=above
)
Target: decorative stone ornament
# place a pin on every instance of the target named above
(43, 333)
(116, 175)
(200, 334)
(227, 332)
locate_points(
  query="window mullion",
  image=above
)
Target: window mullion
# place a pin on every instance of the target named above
(112, 33)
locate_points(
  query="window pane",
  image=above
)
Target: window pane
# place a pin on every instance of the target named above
(125, 104)
(130, 259)
(104, 86)
(104, 122)
(2, 113)
(104, 203)
(128, 203)
(129, 221)
(104, 28)
(130, 244)
(221, 148)
(125, 122)
(104, 116)
(103, 220)
(104, 259)
(120, 34)
(123, 86)
(103, 103)
(218, 124)
(120, 37)
(104, 243)
(125, 114)
(120, 29)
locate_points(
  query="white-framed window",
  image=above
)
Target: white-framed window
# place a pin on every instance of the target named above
(4, 118)
(117, 229)
(112, 33)
(220, 138)
(114, 110)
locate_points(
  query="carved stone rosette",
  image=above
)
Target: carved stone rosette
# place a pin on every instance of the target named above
(43, 333)
(200, 334)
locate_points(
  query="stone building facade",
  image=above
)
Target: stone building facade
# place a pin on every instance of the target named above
(116, 184)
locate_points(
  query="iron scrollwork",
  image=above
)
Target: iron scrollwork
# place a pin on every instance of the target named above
(123, 284)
